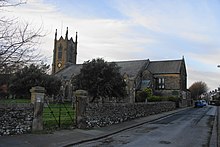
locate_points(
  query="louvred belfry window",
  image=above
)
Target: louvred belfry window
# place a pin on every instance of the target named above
(60, 52)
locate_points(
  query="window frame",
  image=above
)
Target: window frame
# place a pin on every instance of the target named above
(160, 83)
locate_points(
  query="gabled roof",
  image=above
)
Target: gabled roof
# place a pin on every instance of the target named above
(131, 68)
(164, 67)
(68, 72)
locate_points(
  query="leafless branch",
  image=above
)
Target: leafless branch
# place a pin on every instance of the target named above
(18, 41)
(18, 45)
(6, 3)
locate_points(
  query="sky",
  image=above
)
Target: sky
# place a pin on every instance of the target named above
(119, 30)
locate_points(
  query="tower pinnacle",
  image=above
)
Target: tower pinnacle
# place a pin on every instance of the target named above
(56, 35)
(76, 38)
(66, 33)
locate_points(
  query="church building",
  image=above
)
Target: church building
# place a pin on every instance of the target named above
(166, 78)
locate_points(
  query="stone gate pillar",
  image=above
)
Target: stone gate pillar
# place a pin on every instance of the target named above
(37, 93)
(37, 98)
(81, 103)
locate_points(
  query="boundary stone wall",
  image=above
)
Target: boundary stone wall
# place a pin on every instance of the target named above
(100, 115)
(16, 118)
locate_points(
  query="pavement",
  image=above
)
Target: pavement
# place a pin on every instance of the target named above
(215, 134)
(76, 136)
(218, 126)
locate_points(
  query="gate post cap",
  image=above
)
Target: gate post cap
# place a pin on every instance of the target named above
(81, 93)
(38, 89)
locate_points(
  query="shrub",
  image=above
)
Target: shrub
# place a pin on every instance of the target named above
(149, 92)
(173, 99)
(141, 96)
(154, 99)
(161, 98)
(176, 93)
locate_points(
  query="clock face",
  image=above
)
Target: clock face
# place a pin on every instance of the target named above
(59, 65)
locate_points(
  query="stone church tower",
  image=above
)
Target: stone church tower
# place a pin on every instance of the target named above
(64, 53)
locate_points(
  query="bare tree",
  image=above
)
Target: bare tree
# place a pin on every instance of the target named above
(7, 3)
(198, 88)
(18, 41)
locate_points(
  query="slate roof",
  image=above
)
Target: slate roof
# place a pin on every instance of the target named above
(131, 68)
(165, 67)
(68, 72)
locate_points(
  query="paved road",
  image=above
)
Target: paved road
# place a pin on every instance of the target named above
(189, 128)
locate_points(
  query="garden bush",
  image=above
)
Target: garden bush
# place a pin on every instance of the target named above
(147, 93)
(141, 96)
(154, 99)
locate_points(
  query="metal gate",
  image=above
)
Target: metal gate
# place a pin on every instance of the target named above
(59, 114)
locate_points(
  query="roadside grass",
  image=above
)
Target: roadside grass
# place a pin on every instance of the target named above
(58, 115)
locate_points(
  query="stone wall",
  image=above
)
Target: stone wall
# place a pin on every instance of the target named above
(15, 118)
(96, 115)
(172, 81)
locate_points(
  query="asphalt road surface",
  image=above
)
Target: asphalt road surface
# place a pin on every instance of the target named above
(189, 128)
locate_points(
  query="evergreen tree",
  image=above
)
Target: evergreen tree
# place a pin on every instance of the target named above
(101, 79)
(34, 75)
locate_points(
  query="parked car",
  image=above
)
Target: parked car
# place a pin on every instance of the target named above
(215, 102)
(204, 102)
(200, 103)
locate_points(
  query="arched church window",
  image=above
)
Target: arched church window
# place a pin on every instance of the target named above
(60, 52)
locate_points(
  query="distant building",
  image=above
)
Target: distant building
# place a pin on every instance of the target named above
(167, 78)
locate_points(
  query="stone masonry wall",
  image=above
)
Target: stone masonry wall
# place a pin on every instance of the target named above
(96, 115)
(15, 118)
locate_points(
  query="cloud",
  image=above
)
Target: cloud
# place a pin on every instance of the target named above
(98, 37)
(180, 28)
(211, 59)
(195, 37)
(145, 29)
(185, 20)
(208, 77)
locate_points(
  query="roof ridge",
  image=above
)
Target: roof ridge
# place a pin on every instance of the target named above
(169, 60)
(131, 60)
